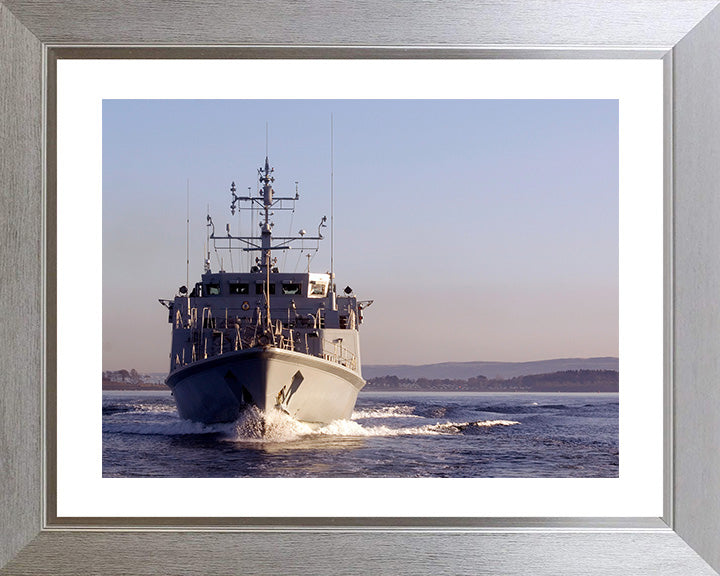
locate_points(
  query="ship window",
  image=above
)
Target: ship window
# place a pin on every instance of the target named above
(260, 288)
(317, 288)
(213, 289)
(291, 288)
(236, 288)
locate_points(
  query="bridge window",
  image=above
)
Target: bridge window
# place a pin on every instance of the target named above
(237, 288)
(317, 288)
(260, 288)
(291, 288)
(212, 289)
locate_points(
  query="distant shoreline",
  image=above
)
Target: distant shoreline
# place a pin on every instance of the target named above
(589, 381)
(107, 385)
(568, 381)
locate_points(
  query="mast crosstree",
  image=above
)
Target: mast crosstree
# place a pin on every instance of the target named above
(266, 242)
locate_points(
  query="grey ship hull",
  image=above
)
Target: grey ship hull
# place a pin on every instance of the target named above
(308, 388)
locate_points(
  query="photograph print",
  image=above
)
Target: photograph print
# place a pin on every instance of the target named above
(360, 288)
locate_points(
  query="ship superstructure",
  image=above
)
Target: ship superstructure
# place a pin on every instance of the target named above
(264, 338)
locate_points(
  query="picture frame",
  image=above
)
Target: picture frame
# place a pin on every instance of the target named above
(685, 35)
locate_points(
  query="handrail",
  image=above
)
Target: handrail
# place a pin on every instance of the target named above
(233, 331)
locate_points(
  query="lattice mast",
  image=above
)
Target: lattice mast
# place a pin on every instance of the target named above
(266, 243)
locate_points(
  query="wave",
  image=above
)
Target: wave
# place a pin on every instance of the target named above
(109, 409)
(274, 426)
(174, 427)
(254, 425)
(349, 428)
(399, 411)
(155, 408)
(532, 408)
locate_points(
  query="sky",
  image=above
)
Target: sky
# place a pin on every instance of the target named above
(482, 229)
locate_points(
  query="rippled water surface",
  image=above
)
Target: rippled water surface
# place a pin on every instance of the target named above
(389, 435)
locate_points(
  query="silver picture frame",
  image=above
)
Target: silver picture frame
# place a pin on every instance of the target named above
(685, 34)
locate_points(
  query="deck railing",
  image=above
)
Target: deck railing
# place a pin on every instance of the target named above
(211, 336)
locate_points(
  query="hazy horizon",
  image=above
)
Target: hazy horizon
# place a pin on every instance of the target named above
(480, 228)
(405, 364)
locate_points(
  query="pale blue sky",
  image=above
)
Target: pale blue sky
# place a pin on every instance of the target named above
(483, 229)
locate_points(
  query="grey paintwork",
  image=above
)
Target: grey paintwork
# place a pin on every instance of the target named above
(307, 388)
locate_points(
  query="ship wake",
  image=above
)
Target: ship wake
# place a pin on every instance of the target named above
(255, 425)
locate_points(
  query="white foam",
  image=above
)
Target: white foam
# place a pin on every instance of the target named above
(275, 426)
(350, 428)
(159, 408)
(253, 425)
(483, 423)
(385, 412)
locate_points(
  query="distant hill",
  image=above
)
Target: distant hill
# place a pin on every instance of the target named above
(465, 370)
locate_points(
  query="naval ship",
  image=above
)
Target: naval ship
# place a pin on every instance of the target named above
(267, 338)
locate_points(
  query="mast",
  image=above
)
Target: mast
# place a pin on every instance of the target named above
(333, 303)
(265, 200)
(266, 227)
(187, 237)
(266, 235)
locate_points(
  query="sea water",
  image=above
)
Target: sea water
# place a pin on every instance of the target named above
(392, 435)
